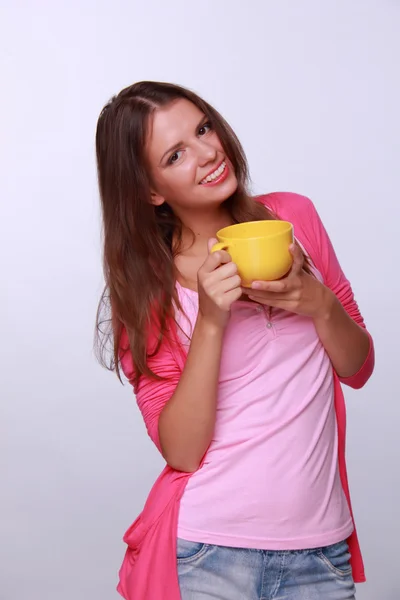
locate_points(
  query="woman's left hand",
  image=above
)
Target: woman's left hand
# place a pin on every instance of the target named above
(297, 292)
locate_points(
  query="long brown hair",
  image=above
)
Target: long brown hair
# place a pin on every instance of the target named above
(138, 237)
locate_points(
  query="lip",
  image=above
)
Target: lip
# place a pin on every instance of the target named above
(214, 169)
(219, 179)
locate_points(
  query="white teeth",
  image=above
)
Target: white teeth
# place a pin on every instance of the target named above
(216, 174)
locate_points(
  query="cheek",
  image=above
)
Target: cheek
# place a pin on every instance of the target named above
(182, 176)
(217, 144)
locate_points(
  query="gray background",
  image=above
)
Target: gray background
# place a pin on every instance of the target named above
(312, 89)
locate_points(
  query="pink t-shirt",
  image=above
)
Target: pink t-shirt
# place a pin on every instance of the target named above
(270, 479)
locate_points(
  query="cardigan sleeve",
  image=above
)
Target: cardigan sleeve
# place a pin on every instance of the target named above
(335, 279)
(153, 394)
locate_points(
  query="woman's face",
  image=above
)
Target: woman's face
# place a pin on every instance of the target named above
(188, 165)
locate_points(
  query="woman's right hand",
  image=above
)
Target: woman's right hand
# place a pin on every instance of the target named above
(219, 285)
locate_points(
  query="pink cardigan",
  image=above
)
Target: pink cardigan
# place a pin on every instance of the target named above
(149, 569)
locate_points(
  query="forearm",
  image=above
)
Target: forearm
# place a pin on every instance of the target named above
(346, 343)
(186, 424)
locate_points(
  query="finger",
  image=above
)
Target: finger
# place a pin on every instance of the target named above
(216, 259)
(231, 283)
(223, 272)
(233, 295)
(211, 242)
(280, 286)
(298, 259)
(267, 297)
(273, 302)
(262, 301)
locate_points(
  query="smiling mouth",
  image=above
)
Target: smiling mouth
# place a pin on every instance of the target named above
(213, 176)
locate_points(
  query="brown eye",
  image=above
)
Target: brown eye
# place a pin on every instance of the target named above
(205, 129)
(175, 156)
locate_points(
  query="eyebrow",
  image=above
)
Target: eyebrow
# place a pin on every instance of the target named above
(179, 144)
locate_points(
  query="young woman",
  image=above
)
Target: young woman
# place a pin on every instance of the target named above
(240, 389)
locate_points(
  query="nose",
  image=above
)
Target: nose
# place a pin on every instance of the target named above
(206, 152)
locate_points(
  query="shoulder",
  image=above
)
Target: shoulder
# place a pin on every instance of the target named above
(287, 203)
(297, 209)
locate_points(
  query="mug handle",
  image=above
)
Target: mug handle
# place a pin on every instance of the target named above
(219, 246)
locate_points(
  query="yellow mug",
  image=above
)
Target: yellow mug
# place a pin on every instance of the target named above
(260, 249)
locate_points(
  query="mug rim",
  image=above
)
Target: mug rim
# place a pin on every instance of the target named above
(220, 234)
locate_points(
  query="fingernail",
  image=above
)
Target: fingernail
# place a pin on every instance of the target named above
(256, 285)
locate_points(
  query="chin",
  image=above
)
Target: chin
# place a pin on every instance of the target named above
(222, 191)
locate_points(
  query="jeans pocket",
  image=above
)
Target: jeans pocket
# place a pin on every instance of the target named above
(187, 551)
(337, 558)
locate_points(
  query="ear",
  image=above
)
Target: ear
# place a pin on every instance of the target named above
(157, 199)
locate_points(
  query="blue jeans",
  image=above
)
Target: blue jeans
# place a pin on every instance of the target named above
(207, 571)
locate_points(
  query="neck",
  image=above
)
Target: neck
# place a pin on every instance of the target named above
(199, 227)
